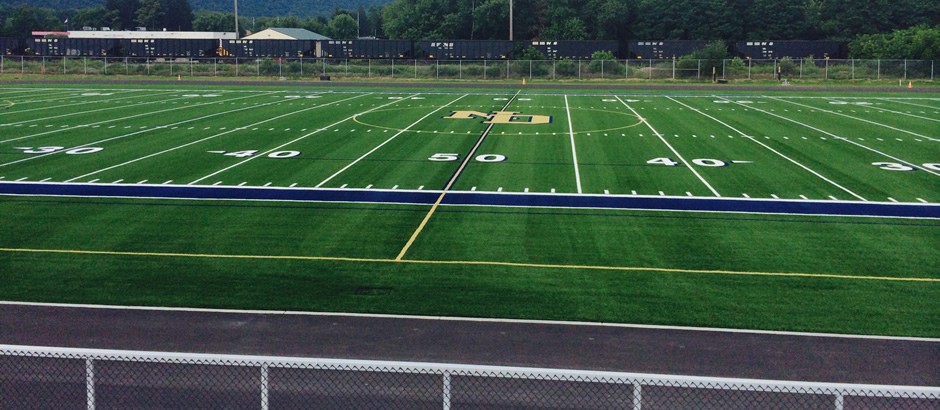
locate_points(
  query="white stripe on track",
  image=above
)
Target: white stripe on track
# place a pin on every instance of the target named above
(386, 142)
(216, 135)
(300, 138)
(681, 158)
(751, 138)
(472, 320)
(574, 150)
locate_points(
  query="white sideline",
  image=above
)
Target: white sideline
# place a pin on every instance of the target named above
(475, 320)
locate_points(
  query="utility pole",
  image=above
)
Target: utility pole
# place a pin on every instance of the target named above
(510, 20)
(236, 19)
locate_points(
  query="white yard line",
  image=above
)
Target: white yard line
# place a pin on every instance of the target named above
(854, 118)
(119, 119)
(56, 107)
(133, 133)
(299, 139)
(574, 150)
(895, 100)
(890, 111)
(386, 142)
(751, 138)
(840, 138)
(681, 158)
(216, 135)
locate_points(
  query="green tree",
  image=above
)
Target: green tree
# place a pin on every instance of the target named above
(213, 21)
(21, 22)
(343, 26)
(151, 14)
(177, 15)
(123, 13)
(91, 17)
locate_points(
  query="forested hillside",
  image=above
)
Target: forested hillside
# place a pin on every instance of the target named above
(896, 27)
(300, 8)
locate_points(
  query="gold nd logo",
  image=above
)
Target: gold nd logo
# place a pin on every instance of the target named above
(501, 117)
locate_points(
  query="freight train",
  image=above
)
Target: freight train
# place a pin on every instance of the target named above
(396, 49)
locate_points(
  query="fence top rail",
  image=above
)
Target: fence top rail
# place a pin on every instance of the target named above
(488, 371)
(458, 60)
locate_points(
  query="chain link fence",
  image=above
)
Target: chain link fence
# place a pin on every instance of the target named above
(306, 68)
(66, 378)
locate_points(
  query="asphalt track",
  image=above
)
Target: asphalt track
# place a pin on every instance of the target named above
(658, 350)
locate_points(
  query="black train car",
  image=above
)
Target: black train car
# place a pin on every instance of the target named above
(664, 48)
(268, 48)
(572, 49)
(10, 46)
(768, 50)
(366, 48)
(239, 48)
(184, 48)
(93, 47)
(51, 47)
(465, 49)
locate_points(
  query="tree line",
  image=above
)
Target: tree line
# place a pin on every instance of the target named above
(875, 28)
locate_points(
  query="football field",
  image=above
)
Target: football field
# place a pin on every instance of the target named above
(809, 211)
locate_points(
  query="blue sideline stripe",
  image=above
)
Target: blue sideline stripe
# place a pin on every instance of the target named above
(699, 204)
(479, 198)
(204, 192)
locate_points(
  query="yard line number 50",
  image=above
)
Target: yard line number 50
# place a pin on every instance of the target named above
(478, 158)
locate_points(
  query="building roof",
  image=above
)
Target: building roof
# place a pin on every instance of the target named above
(127, 34)
(276, 33)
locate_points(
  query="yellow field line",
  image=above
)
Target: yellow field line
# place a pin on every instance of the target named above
(450, 184)
(472, 263)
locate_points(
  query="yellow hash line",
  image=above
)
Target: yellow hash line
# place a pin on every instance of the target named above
(477, 263)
